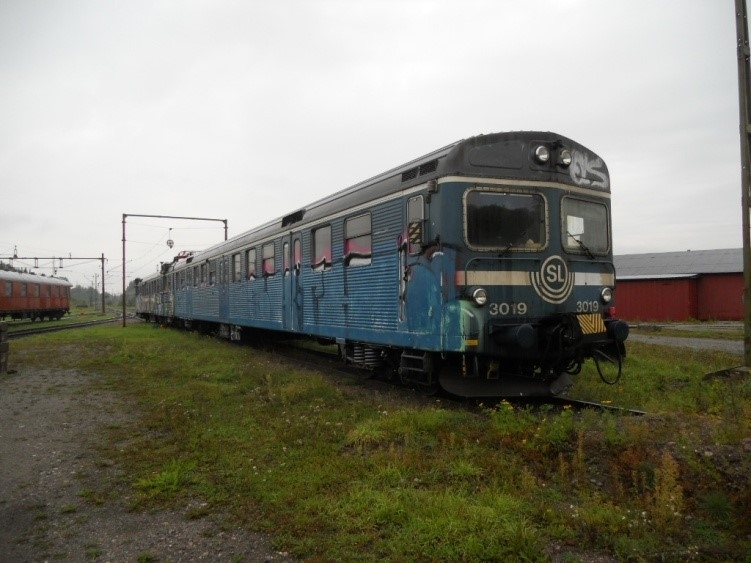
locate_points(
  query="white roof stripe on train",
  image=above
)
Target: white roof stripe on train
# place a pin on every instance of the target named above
(521, 278)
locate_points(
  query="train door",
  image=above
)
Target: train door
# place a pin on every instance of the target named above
(409, 249)
(223, 279)
(292, 297)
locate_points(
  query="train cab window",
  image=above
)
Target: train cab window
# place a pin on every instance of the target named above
(267, 254)
(358, 241)
(496, 220)
(250, 261)
(321, 256)
(585, 226)
(237, 270)
(8, 289)
(415, 222)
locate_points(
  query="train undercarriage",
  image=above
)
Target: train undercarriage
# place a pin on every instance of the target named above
(542, 366)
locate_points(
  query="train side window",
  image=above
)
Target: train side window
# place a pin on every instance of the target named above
(196, 275)
(267, 254)
(24, 289)
(415, 222)
(36, 289)
(297, 251)
(47, 291)
(212, 272)
(321, 256)
(285, 258)
(358, 241)
(250, 261)
(8, 289)
(204, 274)
(237, 270)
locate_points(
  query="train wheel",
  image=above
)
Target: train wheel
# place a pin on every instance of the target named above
(429, 389)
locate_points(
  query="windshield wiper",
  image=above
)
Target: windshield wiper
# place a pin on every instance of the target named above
(582, 246)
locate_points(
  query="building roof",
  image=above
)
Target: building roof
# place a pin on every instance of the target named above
(679, 264)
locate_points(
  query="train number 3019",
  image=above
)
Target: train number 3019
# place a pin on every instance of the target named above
(587, 306)
(504, 309)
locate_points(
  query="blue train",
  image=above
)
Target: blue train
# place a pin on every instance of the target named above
(484, 267)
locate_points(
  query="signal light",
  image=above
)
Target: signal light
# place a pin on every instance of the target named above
(542, 154)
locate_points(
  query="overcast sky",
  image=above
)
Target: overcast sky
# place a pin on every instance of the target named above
(247, 110)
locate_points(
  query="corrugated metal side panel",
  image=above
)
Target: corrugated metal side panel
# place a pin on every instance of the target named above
(720, 297)
(373, 291)
(656, 300)
(206, 303)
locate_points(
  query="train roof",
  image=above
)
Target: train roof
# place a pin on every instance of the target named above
(7, 275)
(475, 157)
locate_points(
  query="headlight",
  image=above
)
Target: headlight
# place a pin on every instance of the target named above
(542, 154)
(606, 295)
(564, 157)
(479, 296)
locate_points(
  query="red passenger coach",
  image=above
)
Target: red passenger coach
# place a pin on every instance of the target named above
(27, 296)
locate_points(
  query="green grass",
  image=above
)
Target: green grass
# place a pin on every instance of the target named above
(336, 472)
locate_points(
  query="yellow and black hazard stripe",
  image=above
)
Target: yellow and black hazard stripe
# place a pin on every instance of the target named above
(591, 324)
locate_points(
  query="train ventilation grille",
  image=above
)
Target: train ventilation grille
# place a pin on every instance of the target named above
(426, 168)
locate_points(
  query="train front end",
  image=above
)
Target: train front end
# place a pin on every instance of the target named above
(534, 280)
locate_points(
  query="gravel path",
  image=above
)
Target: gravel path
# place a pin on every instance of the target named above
(732, 346)
(51, 422)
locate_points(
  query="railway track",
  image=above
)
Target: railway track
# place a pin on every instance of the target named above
(329, 362)
(21, 333)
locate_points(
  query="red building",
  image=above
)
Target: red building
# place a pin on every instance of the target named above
(705, 285)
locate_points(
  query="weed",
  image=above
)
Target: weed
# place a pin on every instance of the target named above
(666, 501)
(175, 476)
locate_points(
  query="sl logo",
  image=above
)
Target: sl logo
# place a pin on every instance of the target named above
(553, 282)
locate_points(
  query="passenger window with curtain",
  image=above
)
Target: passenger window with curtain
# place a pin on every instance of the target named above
(358, 241)
(250, 261)
(503, 221)
(321, 256)
(267, 253)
